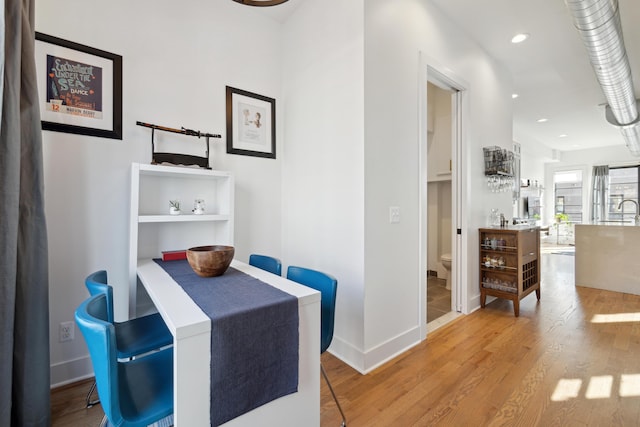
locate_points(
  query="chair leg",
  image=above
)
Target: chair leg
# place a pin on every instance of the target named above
(326, 378)
(90, 402)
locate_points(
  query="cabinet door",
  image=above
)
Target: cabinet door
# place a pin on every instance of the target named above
(528, 241)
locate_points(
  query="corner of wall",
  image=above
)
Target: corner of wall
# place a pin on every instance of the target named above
(366, 361)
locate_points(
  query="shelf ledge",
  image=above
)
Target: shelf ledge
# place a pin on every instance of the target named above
(181, 218)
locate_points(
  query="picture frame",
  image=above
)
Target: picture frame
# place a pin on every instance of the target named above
(79, 88)
(251, 123)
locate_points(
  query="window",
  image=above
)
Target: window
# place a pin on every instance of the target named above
(623, 185)
(568, 194)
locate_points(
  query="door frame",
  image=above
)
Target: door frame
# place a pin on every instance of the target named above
(432, 71)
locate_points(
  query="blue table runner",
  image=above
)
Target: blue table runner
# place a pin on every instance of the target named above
(254, 338)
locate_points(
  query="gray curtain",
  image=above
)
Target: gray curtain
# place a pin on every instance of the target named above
(599, 196)
(24, 281)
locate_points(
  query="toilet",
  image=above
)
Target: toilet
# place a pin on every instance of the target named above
(445, 259)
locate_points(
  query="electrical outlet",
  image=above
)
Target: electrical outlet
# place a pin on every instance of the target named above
(66, 331)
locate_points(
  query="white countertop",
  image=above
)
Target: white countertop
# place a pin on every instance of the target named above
(511, 227)
(609, 224)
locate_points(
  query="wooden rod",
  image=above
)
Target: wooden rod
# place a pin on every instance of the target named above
(182, 131)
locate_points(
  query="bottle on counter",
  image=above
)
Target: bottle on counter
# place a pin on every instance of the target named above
(503, 221)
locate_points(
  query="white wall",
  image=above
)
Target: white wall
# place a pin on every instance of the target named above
(395, 34)
(439, 138)
(533, 160)
(323, 171)
(177, 59)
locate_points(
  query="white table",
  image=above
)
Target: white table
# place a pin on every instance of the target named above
(191, 330)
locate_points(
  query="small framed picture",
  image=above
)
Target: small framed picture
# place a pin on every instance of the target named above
(80, 88)
(251, 124)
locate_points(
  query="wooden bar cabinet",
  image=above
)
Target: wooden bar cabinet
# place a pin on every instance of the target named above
(509, 263)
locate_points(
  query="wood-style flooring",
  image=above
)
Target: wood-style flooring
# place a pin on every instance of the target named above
(438, 298)
(571, 359)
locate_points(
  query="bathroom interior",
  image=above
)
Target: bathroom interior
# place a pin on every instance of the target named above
(439, 201)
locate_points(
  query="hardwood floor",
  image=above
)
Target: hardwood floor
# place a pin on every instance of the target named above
(552, 366)
(570, 359)
(68, 407)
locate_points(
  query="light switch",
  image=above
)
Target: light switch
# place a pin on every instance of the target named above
(394, 214)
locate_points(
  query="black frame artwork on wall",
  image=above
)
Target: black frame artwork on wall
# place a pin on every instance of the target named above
(79, 88)
(251, 124)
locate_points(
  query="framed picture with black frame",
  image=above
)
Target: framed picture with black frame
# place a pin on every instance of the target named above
(251, 124)
(79, 87)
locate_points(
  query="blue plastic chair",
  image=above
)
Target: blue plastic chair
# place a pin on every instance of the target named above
(133, 337)
(328, 286)
(135, 393)
(267, 263)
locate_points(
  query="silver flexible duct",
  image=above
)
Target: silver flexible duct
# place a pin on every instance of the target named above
(598, 22)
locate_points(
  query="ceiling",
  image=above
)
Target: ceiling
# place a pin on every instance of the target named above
(551, 71)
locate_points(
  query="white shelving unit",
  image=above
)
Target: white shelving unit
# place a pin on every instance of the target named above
(153, 230)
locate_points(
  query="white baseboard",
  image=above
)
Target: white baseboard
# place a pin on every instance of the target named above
(365, 362)
(71, 371)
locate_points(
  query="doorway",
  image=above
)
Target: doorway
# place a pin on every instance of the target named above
(441, 199)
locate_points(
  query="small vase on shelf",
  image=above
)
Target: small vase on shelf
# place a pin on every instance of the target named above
(174, 207)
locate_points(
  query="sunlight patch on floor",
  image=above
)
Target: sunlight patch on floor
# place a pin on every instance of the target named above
(629, 385)
(616, 318)
(599, 387)
(566, 389)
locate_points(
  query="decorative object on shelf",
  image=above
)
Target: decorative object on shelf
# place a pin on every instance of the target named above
(179, 159)
(499, 168)
(198, 207)
(262, 3)
(174, 255)
(174, 207)
(80, 88)
(210, 261)
(251, 124)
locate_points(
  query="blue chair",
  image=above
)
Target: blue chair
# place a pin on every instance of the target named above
(328, 286)
(134, 393)
(267, 263)
(133, 337)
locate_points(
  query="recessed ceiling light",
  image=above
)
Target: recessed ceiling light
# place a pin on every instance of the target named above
(564, 135)
(519, 38)
(514, 95)
(542, 120)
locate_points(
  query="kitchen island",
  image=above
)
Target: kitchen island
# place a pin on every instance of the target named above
(607, 256)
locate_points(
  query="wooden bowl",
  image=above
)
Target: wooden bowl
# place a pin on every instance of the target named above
(210, 261)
